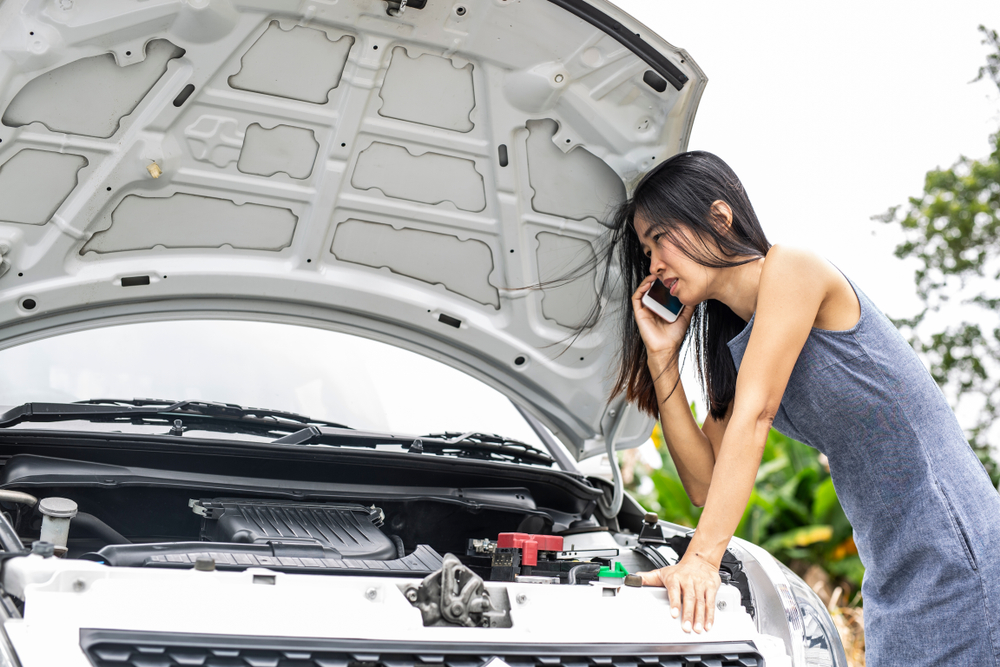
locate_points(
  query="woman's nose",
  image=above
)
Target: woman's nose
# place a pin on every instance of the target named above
(656, 265)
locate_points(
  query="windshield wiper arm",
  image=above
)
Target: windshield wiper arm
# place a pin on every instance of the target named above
(214, 409)
(472, 443)
(201, 412)
(300, 430)
(465, 445)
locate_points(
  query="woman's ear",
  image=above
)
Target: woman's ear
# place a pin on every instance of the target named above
(722, 215)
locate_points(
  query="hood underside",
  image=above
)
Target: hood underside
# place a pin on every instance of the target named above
(397, 174)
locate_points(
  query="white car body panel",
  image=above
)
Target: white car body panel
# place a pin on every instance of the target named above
(337, 167)
(63, 597)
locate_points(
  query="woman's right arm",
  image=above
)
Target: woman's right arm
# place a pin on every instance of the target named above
(692, 449)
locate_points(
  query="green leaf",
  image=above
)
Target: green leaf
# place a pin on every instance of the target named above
(771, 467)
(674, 503)
(799, 537)
(757, 518)
(787, 497)
(825, 500)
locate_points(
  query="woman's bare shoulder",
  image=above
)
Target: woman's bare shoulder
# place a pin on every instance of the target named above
(785, 262)
(838, 308)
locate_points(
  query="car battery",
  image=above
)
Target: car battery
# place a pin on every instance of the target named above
(535, 559)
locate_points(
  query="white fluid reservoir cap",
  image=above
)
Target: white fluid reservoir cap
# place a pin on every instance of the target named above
(58, 508)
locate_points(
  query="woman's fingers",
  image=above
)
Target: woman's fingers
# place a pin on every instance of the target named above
(699, 606)
(644, 285)
(675, 595)
(641, 292)
(657, 334)
(662, 577)
(691, 588)
(710, 606)
(690, 604)
(705, 584)
(652, 578)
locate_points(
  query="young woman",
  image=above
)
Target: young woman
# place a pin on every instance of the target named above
(784, 339)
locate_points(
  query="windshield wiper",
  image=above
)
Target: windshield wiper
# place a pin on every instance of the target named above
(485, 445)
(464, 445)
(299, 430)
(224, 417)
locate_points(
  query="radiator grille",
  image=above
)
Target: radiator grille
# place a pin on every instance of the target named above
(132, 649)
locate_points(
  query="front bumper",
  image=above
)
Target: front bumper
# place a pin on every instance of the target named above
(78, 613)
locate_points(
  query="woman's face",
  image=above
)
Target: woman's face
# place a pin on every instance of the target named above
(685, 278)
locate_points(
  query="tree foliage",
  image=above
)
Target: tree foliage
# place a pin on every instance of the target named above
(953, 231)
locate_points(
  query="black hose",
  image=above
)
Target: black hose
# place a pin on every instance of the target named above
(583, 567)
(92, 525)
(400, 549)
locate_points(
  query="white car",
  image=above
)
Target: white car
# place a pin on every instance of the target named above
(398, 171)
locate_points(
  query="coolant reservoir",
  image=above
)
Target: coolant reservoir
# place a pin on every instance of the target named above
(56, 515)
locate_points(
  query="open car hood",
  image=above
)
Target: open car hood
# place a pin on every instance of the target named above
(396, 172)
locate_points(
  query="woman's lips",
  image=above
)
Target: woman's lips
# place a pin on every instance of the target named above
(673, 286)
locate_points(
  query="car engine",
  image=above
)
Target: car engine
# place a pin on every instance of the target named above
(463, 542)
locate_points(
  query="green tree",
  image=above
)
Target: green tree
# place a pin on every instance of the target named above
(953, 231)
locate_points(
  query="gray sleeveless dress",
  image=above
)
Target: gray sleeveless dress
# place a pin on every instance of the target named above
(926, 517)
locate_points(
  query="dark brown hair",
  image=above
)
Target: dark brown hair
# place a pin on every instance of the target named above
(678, 194)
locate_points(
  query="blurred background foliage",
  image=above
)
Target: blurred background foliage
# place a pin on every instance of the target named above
(793, 511)
(952, 234)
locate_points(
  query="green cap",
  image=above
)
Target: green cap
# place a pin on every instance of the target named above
(617, 571)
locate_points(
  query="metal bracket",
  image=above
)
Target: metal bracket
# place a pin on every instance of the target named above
(396, 7)
(455, 595)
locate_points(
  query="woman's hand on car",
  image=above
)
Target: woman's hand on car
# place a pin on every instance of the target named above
(691, 586)
(662, 338)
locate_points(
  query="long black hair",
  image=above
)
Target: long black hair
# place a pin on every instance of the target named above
(675, 195)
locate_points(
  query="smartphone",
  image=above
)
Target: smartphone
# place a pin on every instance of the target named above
(662, 302)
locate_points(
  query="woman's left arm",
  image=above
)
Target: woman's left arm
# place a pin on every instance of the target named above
(793, 286)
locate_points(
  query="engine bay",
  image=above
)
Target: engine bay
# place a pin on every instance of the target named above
(124, 516)
(128, 516)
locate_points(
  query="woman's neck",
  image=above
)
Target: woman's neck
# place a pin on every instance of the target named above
(737, 287)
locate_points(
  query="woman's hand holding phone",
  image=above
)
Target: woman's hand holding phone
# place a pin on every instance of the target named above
(663, 339)
(659, 299)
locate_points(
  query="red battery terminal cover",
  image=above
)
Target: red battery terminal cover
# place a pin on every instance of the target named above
(529, 545)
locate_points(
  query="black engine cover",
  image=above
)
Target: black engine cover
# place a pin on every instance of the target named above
(351, 530)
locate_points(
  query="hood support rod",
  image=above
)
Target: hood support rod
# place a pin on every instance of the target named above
(610, 510)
